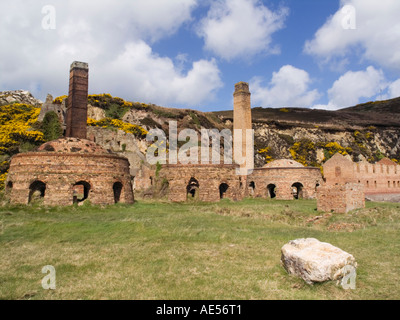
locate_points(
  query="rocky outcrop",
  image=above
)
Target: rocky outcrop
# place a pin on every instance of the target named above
(96, 113)
(367, 144)
(18, 96)
(316, 261)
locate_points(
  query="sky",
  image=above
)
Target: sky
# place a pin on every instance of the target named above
(322, 54)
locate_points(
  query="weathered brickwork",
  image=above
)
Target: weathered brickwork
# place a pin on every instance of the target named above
(340, 198)
(104, 177)
(347, 184)
(285, 183)
(382, 177)
(77, 100)
(208, 183)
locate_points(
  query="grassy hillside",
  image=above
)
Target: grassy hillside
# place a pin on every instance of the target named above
(158, 250)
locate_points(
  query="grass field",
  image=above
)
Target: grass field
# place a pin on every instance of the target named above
(159, 250)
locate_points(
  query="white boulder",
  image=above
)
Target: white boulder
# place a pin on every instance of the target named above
(316, 261)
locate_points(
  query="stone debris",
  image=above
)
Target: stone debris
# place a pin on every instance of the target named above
(316, 261)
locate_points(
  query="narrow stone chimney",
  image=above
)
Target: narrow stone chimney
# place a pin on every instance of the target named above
(242, 116)
(77, 100)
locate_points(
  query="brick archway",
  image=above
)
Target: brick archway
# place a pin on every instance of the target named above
(192, 189)
(117, 191)
(81, 191)
(36, 189)
(297, 190)
(223, 188)
(271, 189)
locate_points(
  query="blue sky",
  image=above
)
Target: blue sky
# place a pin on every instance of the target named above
(325, 54)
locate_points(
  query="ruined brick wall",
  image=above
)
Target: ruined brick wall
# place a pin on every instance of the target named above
(380, 178)
(340, 198)
(208, 180)
(339, 169)
(60, 172)
(284, 179)
(144, 178)
(76, 118)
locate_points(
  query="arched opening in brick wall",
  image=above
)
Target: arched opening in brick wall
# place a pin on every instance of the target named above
(223, 188)
(271, 189)
(297, 190)
(252, 188)
(81, 191)
(37, 191)
(9, 187)
(117, 191)
(192, 188)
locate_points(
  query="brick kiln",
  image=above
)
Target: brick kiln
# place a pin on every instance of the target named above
(281, 179)
(71, 169)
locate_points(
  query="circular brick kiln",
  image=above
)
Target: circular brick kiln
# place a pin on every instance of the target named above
(68, 171)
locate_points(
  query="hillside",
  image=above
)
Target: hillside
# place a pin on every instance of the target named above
(366, 132)
(391, 106)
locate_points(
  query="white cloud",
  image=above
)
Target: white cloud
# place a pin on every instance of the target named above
(352, 86)
(114, 39)
(377, 34)
(240, 28)
(156, 79)
(355, 87)
(394, 89)
(289, 87)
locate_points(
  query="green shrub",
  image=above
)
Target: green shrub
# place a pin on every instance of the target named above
(116, 111)
(51, 126)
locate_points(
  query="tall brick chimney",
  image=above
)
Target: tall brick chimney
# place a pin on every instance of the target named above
(77, 100)
(242, 115)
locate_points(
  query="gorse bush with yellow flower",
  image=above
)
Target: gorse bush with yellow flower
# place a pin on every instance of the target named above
(331, 148)
(114, 107)
(303, 152)
(136, 130)
(59, 100)
(17, 127)
(266, 153)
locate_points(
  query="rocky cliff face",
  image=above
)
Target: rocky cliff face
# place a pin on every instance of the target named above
(313, 146)
(18, 96)
(367, 132)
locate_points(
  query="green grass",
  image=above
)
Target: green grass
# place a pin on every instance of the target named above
(159, 250)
